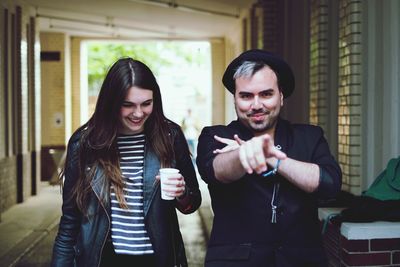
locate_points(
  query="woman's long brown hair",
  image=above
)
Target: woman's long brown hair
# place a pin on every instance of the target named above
(98, 145)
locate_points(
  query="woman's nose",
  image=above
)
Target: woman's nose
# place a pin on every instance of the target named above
(138, 112)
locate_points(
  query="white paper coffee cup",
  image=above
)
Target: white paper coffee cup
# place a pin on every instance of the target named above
(165, 174)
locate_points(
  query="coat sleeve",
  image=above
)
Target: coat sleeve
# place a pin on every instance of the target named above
(191, 200)
(63, 249)
(205, 155)
(205, 151)
(330, 178)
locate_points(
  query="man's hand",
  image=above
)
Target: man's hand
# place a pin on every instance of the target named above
(230, 144)
(255, 152)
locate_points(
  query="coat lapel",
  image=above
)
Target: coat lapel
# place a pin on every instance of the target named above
(100, 191)
(283, 135)
(150, 184)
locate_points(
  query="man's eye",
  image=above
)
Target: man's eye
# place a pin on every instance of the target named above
(266, 94)
(245, 96)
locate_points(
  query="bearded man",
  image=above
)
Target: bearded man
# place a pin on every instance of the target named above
(265, 175)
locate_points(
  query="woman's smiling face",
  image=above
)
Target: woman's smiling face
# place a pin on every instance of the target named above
(135, 110)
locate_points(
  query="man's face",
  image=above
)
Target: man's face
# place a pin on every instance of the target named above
(258, 101)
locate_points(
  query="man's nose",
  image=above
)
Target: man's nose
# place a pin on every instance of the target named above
(256, 103)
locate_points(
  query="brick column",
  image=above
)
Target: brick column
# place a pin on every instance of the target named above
(323, 98)
(349, 117)
(319, 62)
(272, 25)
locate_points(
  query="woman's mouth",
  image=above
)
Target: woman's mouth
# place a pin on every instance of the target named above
(135, 121)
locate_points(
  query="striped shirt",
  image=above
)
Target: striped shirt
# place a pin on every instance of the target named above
(128, 232)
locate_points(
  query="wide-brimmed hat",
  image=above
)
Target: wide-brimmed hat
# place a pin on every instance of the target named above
(282, 70)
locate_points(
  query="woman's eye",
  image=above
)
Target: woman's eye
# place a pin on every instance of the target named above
(127, 105)
(146, 104)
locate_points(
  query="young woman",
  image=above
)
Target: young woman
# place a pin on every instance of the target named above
(112, 212)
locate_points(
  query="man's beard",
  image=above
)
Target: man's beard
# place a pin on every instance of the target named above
(262, 126)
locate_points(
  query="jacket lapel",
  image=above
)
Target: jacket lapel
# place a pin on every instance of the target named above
(283, 135)
(150, 184)
(100, 191)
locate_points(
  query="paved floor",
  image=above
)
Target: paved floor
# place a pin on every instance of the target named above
(25, 225)
(27, 230)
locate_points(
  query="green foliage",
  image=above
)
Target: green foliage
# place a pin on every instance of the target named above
(101, 55)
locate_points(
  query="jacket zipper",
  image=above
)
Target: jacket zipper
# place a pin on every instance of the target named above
(275, 193)
(108, 230)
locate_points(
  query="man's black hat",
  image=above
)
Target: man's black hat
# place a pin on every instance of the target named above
(282, 70)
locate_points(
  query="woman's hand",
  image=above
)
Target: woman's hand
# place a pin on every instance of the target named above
(231, 144)
(174, 186)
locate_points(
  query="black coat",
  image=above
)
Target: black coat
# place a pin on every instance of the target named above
(242, 233)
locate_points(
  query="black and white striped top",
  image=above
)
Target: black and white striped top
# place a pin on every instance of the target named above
(128, 232)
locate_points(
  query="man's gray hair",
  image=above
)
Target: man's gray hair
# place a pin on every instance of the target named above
(248, 68)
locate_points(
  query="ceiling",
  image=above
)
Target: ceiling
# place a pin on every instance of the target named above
(140, 19)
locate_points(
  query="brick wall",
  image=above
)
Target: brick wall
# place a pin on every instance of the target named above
(349, 117)
(260, 26)
(75, 84)
(18, 158)
(53, 90)
(319, 62)
(8, 182)
(323, 65)
(53, 97)
(272, 30)
(343, 252)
